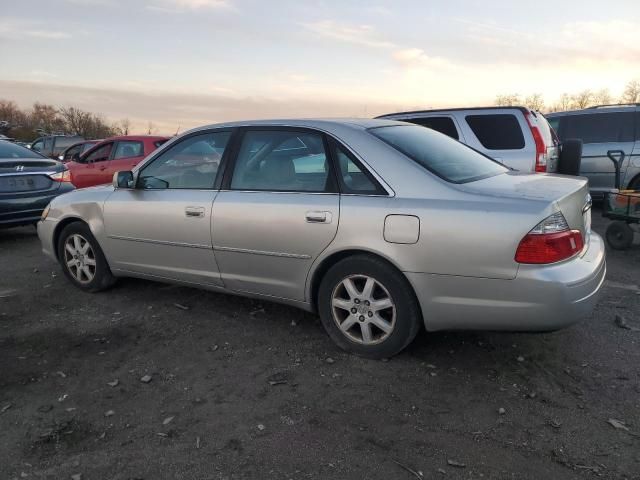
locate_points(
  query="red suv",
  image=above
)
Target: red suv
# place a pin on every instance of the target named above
(97, 166)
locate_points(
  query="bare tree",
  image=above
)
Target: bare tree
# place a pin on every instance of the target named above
(631, 92)
(151, 128)
(534, 102)
(582, 99)
(508, 100)
(122, 127)
(45, 118)
(83, 123)
(602, 97)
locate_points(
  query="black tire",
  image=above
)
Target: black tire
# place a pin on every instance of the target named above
(102, 276)
(570, 157)
(389, 282)
(634, 184)
(619, 235)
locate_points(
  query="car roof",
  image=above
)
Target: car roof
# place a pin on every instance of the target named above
(457, 109)
(136, 137)
(316, 123)
(613, 108)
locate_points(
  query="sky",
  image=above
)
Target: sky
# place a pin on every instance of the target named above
(183, 63)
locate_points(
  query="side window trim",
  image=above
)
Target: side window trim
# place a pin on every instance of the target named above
(334, 144)
(237, 144)
(169, 144)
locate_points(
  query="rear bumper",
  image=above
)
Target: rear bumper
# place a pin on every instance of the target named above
(25, 210)
(540, 298)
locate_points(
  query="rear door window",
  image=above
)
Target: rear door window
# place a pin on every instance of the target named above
(439, 124)
(282, 160)
(600, 127)
(500, 131)
(128, 148)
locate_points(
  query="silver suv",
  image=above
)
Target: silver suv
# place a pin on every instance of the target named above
(603, 129)
(517, 137)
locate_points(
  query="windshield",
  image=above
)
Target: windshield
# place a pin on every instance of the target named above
(11, 150)
(441, 155)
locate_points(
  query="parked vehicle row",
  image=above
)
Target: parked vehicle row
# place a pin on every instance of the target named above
(380, 226)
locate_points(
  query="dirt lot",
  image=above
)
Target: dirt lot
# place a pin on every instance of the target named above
(242, 389)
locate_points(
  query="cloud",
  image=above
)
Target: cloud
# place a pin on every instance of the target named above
(416, 57)
(573, 44)
(363, 35)
(15, 29)
(178, 6)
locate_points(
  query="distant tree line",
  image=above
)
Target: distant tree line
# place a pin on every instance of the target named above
(43, 119)
(576, 101)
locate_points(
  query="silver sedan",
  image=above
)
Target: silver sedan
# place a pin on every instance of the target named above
(379, 226)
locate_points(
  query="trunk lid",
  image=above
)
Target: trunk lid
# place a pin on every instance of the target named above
(28, 175)
(569, 194)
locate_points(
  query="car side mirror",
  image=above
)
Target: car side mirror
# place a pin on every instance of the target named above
(123, 180)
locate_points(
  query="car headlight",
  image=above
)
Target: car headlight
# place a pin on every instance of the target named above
(45, 212)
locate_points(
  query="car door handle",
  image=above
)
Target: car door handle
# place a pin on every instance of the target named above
(195, 212)
(318, 217)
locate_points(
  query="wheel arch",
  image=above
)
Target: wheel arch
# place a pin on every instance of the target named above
(58, 230)
(319, 270)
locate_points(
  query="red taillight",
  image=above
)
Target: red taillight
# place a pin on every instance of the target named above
(550, 241)
(63, 176)
(541, 148)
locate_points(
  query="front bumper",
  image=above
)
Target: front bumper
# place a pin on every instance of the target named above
(46, 228)
(540, 298)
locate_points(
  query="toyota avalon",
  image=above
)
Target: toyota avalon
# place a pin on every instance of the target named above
(379, 226)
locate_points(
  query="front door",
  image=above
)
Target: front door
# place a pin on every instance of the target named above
(163, 226)
(90, 170)
(278, 210)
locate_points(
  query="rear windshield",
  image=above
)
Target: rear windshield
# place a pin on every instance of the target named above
(447, 158)
(11, 150)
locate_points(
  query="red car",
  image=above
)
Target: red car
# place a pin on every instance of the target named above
(97, 165)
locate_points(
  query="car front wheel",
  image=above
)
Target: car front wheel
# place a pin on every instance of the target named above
(368, 307)
(82, 259)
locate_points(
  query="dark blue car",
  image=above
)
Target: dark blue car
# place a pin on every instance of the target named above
(28, 182)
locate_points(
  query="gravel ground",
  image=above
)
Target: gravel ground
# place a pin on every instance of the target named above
(247, 389)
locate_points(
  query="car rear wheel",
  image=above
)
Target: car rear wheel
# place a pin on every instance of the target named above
(368, 307)
(82, 259)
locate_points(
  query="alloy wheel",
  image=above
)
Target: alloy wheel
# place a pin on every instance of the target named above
(80, 258)
(363, 309)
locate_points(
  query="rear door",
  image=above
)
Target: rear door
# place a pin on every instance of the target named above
(278, 210)
(601, 131)
(127, 154)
